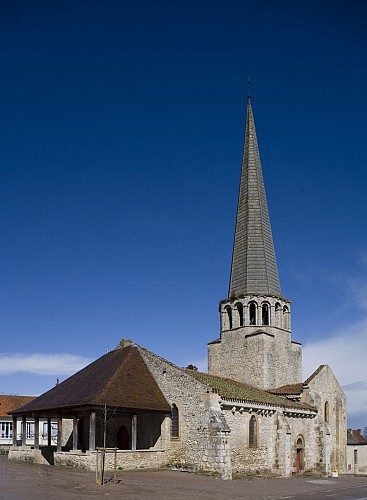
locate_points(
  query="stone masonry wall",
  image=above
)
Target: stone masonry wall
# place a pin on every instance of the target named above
(261, 355)
(245, 459)
(265, 359)
(21, 454)
(308, 430)
(276, 448)
(125, 459)
(203, 435)
(325, 388)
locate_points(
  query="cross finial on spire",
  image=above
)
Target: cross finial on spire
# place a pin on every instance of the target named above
(248, 89)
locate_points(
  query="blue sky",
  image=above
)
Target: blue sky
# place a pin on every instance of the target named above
(120, 151)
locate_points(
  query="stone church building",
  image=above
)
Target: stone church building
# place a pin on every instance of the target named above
(251, 413)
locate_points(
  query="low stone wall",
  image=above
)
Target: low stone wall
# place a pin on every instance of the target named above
(126, 459)
(140, 459)
(75, 460)
(20, 454)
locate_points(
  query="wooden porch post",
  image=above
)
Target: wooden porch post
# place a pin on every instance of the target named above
(75, 432)
(92, 430)
(134, 426)
(15, 430)
(24, 430)
(49, 430)
(59, 433)
(36, 433)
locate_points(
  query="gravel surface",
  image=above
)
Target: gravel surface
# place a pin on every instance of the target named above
(26, 481)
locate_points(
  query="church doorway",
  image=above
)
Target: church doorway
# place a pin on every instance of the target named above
(123, 441)
(300, 448)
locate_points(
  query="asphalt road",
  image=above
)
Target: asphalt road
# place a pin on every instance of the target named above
(25, 481)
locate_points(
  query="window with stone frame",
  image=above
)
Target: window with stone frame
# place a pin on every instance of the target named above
(265, 314)
(252, 432)
(285, 318)
(239, 308)
(278, 315)
(252, 313)
(326, 411)
(229, 316)
(175, 422)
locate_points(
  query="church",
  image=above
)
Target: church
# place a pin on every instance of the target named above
(250, 414)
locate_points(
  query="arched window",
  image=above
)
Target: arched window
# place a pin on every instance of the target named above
(239, 308)
(278, 313)
(175, 426)
(265, 314)
(252, 432)
(252, 311)
(229, 316)
(285, 318)
(326, 411)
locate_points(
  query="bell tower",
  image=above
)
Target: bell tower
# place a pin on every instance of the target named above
(255, 344)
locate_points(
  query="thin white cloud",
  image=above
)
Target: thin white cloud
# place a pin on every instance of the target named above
(358, 289)
(357, 397)
(41, 364)
(346, 354)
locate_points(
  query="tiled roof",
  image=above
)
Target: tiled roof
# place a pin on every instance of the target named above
(9, 403)
(254, 268)
(119, 379)
(354, 437)
(232, 390)
(288, 390)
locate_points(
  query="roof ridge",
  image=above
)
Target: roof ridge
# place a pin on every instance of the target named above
(313, 375)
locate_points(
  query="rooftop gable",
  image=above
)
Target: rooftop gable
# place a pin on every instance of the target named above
(313, 375)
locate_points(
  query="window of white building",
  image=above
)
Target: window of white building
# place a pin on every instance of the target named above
(6, 430)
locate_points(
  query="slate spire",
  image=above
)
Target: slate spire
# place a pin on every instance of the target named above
(254, 268)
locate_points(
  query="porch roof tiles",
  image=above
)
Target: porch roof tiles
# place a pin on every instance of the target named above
(120, 379)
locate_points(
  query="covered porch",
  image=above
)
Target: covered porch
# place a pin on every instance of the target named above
(80, 431)
(113, 403)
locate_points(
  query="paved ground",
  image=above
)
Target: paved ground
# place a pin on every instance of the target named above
(25, 481)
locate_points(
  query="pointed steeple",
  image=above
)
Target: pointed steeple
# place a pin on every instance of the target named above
(254, 268)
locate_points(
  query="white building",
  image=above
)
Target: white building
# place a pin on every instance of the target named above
(356, 452)
(10, 403)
